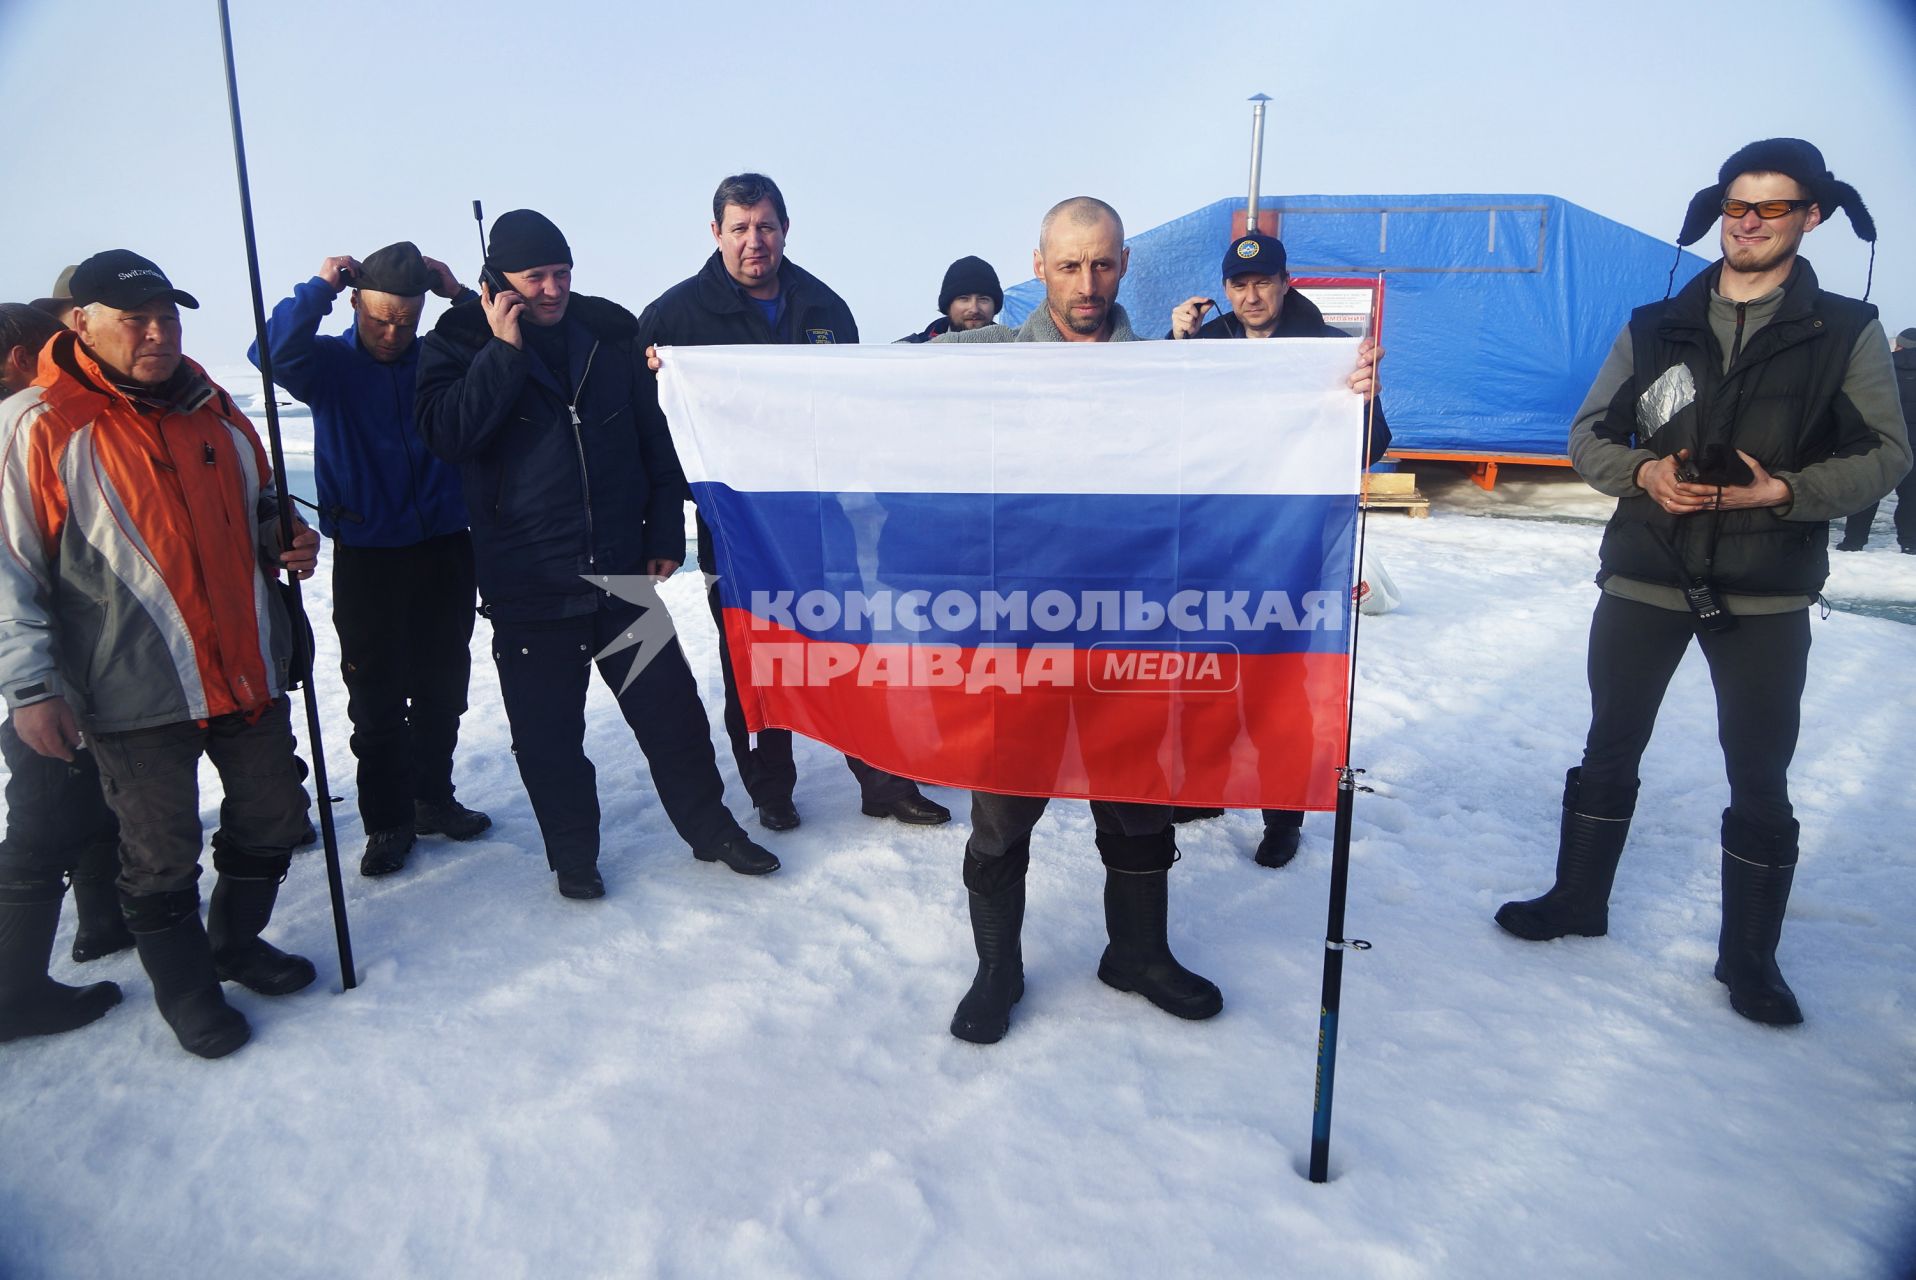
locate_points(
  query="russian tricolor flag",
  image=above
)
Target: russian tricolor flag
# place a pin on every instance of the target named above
(1112, 571)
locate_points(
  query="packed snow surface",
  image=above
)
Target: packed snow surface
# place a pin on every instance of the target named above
(709, 1075)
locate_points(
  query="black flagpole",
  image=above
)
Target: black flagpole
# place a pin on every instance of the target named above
(1335, 943)
(313, 742)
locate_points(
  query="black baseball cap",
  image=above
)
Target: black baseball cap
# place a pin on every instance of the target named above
(1254, 254)
(398, 269)
(122, 279)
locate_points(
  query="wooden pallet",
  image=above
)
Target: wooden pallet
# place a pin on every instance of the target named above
(1482, 464)
(1395, 491)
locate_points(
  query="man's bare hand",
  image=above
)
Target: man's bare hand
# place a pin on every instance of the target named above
(1763, 490)
(1363, 379)
(1659, 480)
(1188, 317)
(336, 270)
(502, 313)
(445, 283)
(303, 556)
(48, 727)
(652, 359)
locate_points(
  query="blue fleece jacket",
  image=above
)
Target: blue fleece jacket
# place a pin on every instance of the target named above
(379, 486)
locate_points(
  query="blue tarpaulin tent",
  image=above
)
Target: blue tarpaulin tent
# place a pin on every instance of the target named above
(1498, 309)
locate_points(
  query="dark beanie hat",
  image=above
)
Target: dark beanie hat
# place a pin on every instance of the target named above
(970, 275)
(1793, 158)
(523, 238)
(398, 269)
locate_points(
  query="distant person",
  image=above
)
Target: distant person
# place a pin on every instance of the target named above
(1263, 305)
(139, 607)
(748, 291)
(1856, 529)
(403, 588)
(538, 395)
(1723, 543)
(56, 820)
(59, 303)
(970, 298)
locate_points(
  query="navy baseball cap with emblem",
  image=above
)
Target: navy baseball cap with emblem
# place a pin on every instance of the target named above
(123, 280)
(1254, 254)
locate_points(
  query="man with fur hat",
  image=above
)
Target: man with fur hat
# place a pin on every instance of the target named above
(540, 396)
(403, 592)
(1732, 422)
(138, 607)
(970, 298)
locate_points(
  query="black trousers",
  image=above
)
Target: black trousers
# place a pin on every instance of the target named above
(544, 668)
(767, 769)
(1758, 670)
(404, 617)
(57, 820)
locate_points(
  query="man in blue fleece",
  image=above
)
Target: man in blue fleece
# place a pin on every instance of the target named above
(403, 588)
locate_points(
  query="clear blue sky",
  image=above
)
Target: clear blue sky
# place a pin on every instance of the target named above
(903, 135)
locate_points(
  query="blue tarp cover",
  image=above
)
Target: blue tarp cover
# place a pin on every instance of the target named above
(1498, 309)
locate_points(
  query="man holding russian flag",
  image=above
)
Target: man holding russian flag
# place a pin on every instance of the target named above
(1037, 565)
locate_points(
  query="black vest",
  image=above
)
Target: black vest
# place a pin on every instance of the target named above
(1781, 402)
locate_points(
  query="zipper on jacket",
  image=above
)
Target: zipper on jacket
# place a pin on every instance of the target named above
(1736, 346)
(578, 440)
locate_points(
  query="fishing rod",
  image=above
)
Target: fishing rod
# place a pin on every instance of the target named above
(297, 604)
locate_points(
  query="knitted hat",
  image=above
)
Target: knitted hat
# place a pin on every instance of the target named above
(970, 275)
(1793, 158)
(397, 269)
(1908, 339)
(523, 239)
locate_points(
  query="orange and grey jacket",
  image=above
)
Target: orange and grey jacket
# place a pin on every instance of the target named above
(137, 535)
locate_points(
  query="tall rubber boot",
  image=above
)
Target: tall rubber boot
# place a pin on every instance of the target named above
(1758, 870)
(1589, 845)
(241, 907)
(31, 1003)
(101, 930)
(1136, 911)
(173, 948)
(995, 888)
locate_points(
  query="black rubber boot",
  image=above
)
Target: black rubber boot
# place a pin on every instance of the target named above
(1588, 847)
(1758, 870)
(995, 888)
(173, 948)
(102, 929)
(1136, 910)
(31, 1003)
(241, 907)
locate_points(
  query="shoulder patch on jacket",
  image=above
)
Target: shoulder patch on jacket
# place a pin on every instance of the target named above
(820, 335)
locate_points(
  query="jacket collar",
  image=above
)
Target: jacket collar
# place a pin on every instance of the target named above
(1690, 309)
(79, 388)
(718, 292)
(602, 319)
(1040, 327)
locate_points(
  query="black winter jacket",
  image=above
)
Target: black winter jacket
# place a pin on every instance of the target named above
(1299, 317)
(941, 325)
(1781, 402)
(708, 310)
(557, 488)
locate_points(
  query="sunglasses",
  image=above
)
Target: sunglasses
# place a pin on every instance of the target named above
(1765, 209)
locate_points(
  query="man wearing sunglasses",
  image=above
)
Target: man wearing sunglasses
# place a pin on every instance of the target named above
(1732, 422)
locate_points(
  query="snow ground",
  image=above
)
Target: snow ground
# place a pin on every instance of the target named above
(707, 1075)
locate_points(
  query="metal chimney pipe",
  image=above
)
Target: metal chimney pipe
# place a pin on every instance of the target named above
(1257, 159)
